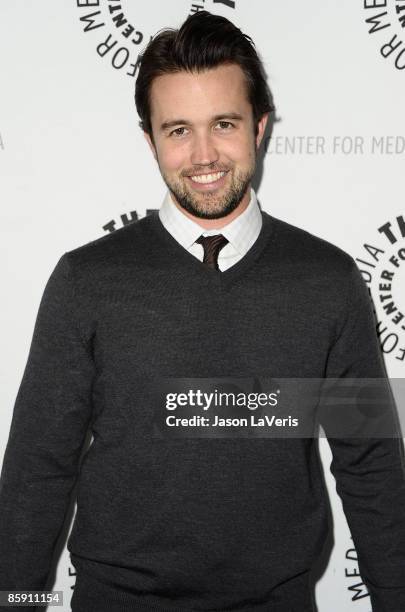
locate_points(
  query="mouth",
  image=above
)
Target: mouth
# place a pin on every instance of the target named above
(207, 182)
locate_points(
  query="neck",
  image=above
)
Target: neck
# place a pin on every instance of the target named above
(222, 221)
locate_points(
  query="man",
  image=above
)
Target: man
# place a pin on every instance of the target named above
(208, 288)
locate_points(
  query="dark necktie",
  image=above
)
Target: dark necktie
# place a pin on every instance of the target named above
(212, 245)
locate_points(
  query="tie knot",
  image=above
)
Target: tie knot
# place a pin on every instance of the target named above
(212, 245)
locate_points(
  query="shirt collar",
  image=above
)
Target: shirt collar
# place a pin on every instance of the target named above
(186, 230)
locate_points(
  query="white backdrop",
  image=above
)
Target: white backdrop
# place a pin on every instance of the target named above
(74, 162)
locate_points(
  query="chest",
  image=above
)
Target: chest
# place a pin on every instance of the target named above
(206, 328)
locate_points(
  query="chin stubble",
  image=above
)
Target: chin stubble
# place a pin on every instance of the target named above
(209, 207)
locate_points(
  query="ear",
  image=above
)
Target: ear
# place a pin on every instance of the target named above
(150, 143)
(261, 127)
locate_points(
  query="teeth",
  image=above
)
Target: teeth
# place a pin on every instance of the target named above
(207, 178)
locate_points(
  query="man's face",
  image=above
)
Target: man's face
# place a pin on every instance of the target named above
(202, 125)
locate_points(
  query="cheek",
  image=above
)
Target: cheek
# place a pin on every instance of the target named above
(240, 150)
(174, 158)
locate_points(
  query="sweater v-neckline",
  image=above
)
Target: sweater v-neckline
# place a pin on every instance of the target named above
(218, 276)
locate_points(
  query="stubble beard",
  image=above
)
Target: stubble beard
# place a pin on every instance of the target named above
(207, 205)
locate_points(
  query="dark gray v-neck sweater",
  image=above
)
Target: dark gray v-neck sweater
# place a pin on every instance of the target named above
(193, 523)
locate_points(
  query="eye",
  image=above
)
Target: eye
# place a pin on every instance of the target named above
(225, 123)
(176, 131)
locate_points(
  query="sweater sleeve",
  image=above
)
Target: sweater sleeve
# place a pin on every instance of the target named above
(370, 472)
(48, 428)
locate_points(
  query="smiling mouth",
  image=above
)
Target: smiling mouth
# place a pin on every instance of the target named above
(206, 179)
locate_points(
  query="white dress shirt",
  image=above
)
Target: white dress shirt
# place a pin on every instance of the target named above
(241, 233)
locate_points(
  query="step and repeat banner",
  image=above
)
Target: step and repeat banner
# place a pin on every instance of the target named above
(75, 165)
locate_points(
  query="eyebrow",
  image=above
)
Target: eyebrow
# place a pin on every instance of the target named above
(168, 124)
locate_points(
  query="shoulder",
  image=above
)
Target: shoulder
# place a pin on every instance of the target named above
(117, 247)
(319, 272)
(315, 267)
(307, 251)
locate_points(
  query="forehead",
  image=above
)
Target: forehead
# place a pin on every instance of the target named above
(199, 92)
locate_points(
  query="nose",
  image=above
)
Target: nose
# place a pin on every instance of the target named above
(204, 151)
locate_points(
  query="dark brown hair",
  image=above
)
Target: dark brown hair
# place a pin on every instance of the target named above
(204, 41)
